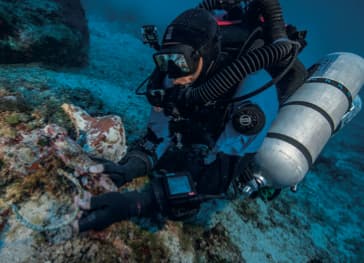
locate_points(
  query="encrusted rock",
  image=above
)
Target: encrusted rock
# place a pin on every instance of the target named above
(212, 245)
(179, 248)
(102, 137)
(54, 32)
(34, 150)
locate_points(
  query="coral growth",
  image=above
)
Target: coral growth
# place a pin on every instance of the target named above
(31, 152)
(102, 137)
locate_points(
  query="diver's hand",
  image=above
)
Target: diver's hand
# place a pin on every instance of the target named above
(134, 164)
(116, 172)
(98, 212)
(83, 203)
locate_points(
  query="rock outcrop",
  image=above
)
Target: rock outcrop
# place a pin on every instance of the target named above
(100, 137)
(53, 32)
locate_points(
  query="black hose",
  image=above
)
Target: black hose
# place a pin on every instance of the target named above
(248, 42)
(210, 5)
(273, 17)
(225, 81)
(294, 79)
(218, 4)
(271, 11)
(228, 78)
(267, 85)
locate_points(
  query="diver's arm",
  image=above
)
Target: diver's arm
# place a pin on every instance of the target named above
(142, 157)
(106, 209)
(134, 164)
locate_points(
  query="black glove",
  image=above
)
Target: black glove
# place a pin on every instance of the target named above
(112, 207)
(134, 164)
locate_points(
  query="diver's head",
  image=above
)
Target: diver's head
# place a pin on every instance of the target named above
(190, 47)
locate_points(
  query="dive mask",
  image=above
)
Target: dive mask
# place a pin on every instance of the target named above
(177, 61)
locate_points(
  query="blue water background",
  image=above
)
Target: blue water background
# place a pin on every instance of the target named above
(332, 25)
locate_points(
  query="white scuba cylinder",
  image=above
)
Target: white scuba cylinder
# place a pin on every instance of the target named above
(307, 120)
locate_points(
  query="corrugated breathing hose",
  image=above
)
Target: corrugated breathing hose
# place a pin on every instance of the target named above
(223, 82)
(227, 79)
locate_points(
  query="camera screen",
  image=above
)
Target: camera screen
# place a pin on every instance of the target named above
(178, 185)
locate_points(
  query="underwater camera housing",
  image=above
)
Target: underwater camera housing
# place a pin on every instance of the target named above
(181, 195)
(178, 186)
(150, 36)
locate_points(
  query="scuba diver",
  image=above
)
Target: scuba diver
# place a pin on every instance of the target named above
(208, 120)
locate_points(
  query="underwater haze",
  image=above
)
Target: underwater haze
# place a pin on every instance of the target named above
(92, 56)
(332, 25)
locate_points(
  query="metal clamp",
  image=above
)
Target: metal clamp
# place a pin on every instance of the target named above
(254, 185)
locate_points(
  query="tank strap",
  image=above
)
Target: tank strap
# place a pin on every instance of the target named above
(337, 85)
(316, 108)
(294, 143)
